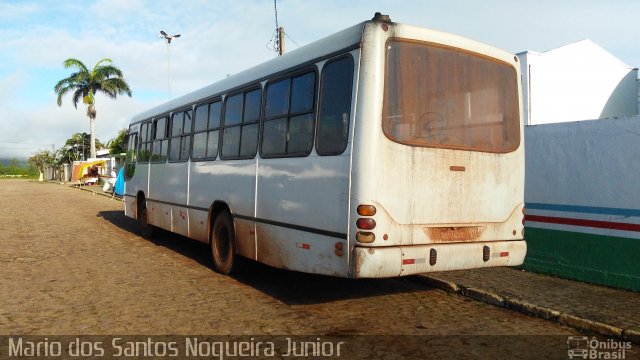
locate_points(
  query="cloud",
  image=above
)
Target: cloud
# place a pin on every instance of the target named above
(226, 37)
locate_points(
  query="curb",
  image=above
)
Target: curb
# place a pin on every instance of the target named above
(530, 309)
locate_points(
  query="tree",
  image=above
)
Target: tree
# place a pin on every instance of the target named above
(40, 160)
(77, 147)
(117, 145)
(104, 78)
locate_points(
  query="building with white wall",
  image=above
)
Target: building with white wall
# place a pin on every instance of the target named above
(578, 81)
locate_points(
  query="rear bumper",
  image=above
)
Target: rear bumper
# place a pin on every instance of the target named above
(377, 262)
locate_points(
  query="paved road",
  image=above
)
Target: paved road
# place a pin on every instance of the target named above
(72, 263)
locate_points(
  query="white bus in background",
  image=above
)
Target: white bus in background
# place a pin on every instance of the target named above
(383, 150)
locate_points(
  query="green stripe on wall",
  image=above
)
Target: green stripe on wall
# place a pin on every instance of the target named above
(598, 259)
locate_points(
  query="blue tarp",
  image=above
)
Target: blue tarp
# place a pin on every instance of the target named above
(118, 188)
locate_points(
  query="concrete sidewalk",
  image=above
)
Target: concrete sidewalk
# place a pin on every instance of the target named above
(591, 308)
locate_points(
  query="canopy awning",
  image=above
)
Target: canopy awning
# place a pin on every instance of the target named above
(79, 169)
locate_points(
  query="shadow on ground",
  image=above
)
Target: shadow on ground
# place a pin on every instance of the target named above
(290, 287)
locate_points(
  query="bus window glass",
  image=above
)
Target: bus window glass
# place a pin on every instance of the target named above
(174, 152)
(274, 136)
(180, 139)
(300, 134)
(240, 135)
(176, 123)
(202, 117)
(249, 140)
(284, 133)
(302, 93)
(160, 129)
(233, 110)
(231, 142)
(212, 144)
(205, 137)
(335, 107)
(186, 129)
(132, 146)
(277, 100)
(199, 145)
(252, 106)
(143, 132)
(214, 115)
(145, 146)
(160, 148)
(185, 143)
(440, 97)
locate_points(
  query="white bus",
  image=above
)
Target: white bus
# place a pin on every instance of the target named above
(383, 150)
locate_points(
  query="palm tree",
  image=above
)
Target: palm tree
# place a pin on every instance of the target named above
(104, 78)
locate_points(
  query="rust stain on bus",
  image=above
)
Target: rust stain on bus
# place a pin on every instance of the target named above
(451, 234)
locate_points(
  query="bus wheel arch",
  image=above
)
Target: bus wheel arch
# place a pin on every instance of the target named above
(142, 215)
(222, 239)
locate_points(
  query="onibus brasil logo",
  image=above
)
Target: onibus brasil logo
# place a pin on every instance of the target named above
(581, 347)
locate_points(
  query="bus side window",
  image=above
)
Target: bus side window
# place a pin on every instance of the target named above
(206, 131)
(132, 147)
(144, 151)
(241, 120)
(289, 116)
(335, 107)
(160, 141)
(180, 136)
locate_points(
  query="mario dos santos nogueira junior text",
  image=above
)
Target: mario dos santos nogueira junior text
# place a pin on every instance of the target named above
(187, 346)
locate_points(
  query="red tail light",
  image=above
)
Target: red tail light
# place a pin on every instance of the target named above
(366, 224)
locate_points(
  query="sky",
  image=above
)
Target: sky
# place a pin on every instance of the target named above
(222, 37)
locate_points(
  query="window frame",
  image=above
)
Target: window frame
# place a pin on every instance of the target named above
(180, 136)
(132, 137)
(310, 69)
(207, 129)
(166, 138)
(515, 124)
(258, 121)
(320, 97)
(145, 160)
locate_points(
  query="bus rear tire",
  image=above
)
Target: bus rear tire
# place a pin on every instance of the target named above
(146, 230)
(223, 244)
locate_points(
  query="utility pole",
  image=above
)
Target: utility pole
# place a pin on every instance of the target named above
(280, 40)
(280, 31)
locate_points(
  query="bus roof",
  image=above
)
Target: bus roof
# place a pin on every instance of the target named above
(347, 39)
(329, 45)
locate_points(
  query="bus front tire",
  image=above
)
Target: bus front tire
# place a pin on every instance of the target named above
(146, 229)
(223, 244)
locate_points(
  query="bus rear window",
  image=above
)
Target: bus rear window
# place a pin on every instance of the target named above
(442, 97)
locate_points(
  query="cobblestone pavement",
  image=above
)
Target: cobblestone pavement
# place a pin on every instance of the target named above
(72, 263)
(605, 311)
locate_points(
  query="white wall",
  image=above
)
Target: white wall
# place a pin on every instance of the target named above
(578, 81)
(586, 163)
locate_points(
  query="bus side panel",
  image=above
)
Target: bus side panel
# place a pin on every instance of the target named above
(168, 194)
(169, 183)
(137, 183)
(310, 192)
(198, 222)
(232, 182)
(291, 249)
(179, 220)
(245, 238)
(159, 214)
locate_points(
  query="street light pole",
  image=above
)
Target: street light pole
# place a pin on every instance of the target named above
(168, 39)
